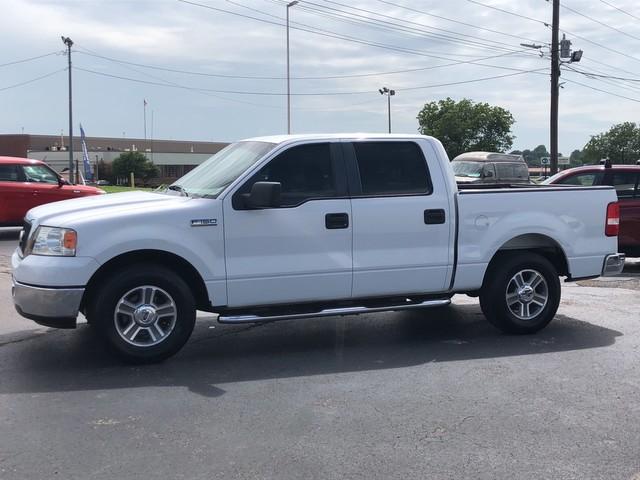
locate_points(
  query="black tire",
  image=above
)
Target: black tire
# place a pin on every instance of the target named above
(168, 293)
(520, 315)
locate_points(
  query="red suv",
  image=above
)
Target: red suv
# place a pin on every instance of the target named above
(26, 183)
(625, 179)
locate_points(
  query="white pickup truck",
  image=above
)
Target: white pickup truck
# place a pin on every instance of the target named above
(291, 227)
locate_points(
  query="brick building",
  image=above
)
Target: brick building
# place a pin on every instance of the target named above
(173, 157)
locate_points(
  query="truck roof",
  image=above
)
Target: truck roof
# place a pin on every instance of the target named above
(19, 161)
(488, 157)
(332, 136)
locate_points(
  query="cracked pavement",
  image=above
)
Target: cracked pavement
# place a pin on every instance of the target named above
(409, 395)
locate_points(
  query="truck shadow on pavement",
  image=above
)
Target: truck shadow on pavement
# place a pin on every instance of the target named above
(64, 361)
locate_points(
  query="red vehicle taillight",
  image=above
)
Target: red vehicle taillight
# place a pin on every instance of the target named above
(612, 227)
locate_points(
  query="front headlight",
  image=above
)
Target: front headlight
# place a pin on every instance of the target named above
(54, 241)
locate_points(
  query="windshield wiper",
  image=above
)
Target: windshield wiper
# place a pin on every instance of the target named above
(178, 188)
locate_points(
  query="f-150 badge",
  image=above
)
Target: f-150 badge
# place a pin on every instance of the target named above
(204, 222)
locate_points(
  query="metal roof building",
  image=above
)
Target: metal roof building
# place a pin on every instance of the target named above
(173, 157)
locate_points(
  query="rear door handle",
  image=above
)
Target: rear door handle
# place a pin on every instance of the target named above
(336, 220)
(434, 217)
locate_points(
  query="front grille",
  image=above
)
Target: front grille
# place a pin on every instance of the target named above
(24, 236)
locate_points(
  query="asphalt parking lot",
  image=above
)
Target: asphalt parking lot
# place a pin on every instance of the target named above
(435, 394)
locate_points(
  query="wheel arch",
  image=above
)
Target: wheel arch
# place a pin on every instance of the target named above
(160, 257)
(533, 243)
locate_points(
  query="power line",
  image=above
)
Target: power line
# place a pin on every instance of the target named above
(547, 25)
(32, 80)
(510, 13)
(616, 83)
(233, 92)
(603, 91)
(371, 21)
(620, 9)
(29, 59)
(323, 10)
(461, 82)
(324, 77)
(589, 74)
(599, 22)
(169, 83)
(447, 37)
(457, 21)
(608, 65)
(348, 38)
(304, 94)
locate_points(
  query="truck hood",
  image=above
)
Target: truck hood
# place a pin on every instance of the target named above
(70, 212)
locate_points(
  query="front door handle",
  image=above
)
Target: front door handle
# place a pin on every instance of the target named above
(336, 220)
(434, 217)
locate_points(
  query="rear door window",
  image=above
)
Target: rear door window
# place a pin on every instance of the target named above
(9, 173)
(582, 179)
(392, 168)
(624, 183)
(514, 171)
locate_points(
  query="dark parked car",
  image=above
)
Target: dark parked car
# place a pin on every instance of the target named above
(488, 167)
(625, 179)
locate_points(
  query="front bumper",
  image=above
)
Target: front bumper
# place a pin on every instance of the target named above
(613, 264)
(51, 307)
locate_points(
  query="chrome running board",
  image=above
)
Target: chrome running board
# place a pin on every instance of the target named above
(329, 312)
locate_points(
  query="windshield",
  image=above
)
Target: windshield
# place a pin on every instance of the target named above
(553, 179)
(467, 169)
(219, 171)
(40, 174)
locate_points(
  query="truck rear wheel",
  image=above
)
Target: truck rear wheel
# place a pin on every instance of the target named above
(521, 293)
(145, 312)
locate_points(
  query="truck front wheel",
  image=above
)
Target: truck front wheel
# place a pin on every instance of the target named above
(521, 292)
(145, 312)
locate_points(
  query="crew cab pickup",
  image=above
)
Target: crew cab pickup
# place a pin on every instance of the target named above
(289, 227)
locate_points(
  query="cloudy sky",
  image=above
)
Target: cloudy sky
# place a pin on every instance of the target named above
(218, 65)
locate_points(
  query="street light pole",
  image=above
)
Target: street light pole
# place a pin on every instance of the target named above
(69, 43)
(289, 5)
(389, 93)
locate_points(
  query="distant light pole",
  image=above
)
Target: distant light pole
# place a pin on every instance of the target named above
(289, 5)
(389, 93)
(69, 43)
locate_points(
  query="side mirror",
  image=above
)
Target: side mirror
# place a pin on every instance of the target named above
(487, 174)
(264, 195)
(62, 182)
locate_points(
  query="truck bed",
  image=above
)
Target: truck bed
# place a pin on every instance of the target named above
(498, 217)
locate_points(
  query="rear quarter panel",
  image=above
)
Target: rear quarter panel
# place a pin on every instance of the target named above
(572, 217)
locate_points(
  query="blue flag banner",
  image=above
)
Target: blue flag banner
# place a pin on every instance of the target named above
(88, 171)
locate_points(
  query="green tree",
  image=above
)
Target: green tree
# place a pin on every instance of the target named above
(135, 162)
(533, 157)
(621, 144)
(465, 125)
(576, 158)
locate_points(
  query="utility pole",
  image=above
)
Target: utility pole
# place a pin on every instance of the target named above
(289, 5)
(69, 43)
(559, 50)
(555, 77)
(389, 93)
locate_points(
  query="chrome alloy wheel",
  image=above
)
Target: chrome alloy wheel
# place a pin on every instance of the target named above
(527, 294)
(145, 316)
